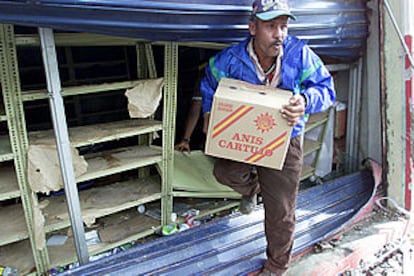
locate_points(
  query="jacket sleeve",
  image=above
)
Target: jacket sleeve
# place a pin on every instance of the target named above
(316, 83)
(213, 75)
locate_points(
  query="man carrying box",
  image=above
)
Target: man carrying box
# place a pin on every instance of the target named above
(271, 57)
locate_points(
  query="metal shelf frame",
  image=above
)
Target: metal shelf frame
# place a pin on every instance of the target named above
(19, 138)
(13, 105)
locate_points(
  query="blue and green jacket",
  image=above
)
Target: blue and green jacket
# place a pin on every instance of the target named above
(302, 72)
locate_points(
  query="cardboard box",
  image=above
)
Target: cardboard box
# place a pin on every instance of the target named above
(246, 124)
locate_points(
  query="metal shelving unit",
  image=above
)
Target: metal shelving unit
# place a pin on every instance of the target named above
(312, 146)
(96, 203)
(13, 146)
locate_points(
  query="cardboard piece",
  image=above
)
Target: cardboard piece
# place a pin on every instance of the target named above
(340, 120)
(246, 124)
(144, 98)
(43, 168)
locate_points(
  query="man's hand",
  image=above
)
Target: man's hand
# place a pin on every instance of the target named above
(295, 110)
(183, 146)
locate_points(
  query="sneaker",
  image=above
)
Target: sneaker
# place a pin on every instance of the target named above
(247, 204)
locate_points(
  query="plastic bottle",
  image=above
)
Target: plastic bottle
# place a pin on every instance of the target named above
(172, 228)
(8, 271)
(141, 209)
(173, 217)
(169, 229)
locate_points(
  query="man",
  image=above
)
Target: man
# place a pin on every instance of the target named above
(271, 57)
(190, 123)
(193, 115)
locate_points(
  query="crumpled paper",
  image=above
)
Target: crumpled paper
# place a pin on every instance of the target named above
(43, 168)
(144, 98)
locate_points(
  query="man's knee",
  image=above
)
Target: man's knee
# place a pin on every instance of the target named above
(230, 172)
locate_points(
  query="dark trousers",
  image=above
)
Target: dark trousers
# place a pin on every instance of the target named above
(279, 189)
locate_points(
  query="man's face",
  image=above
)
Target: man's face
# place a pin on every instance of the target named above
(269, 35)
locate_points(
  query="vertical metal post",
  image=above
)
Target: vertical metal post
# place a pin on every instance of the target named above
(169, 114)
(358, 92)
(142, 67)
(13, 104)
(350, 121)
(62, 141)
(152, 70)
(353, 118)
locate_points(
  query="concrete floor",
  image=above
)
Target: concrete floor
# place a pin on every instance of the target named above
(360, 244)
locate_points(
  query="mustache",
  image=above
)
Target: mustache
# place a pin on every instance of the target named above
(276, 42)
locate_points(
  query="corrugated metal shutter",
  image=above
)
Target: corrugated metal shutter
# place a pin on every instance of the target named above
(335, 29)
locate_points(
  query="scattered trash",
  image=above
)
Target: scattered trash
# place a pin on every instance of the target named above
(169, 229)
(56, 240)
(154, 213)
(180, 208)
(92, 237)
(322, 246)
(192, 211)
(141, 209)
(184, 217)
(127, 246)
(173, 217)
(56, 270)
(191, 221)
(100, 256)
(183, 226)
(8, 271)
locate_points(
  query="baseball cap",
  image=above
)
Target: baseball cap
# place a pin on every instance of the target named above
(269, 9)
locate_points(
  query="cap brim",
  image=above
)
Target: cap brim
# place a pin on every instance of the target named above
(265, 16)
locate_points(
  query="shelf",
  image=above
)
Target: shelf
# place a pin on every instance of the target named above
(119, 160)
(229, 195)
(13, 226)
(310, 146)
(98, 133)
(31, 95)
(306, 172)
(106, 204)
(214, 208)
(117, 230)
(114, 231)
(102, 201)
(18, 255)
(3, 116)
(316, 120)
(8, 186)
(5, 149)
